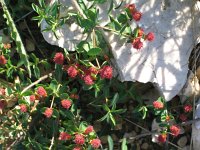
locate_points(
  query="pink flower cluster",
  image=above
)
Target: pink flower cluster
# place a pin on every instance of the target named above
(137, 40)
(89, 75)
(158, 105)
(81, 139)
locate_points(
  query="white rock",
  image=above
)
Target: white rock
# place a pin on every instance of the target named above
(191, 87)
(195, 137)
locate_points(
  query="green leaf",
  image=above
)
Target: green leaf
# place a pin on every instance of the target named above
(54, 85)
(111, 6)
(94, 51)
(110, 143)
(36, 71)
(115, 24)
(112, 119)
(55, 113)
(124, 146)
(104, 117)
(27, 93)
(122, 18)
(119, 111)
(15, 35)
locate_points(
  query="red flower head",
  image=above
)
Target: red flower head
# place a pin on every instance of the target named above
(64, 136)
(2, 91)
(77, 148)
(131, 7)
(167, 118)
(2, 104)
(89, 129)
(106, 72)
(150, 36)
(72, 72)
(158, 105)
(23, 108)
(32, 98)
(137, 44)
(41, 92)
(162, 138)
(66, 103)
(74, 96)
(188, 108)
(88, 80)
(48, 112)
(79, 139)
(136, 15)
(93, 70)
(7, 46)
(59, 58)
(183, 117)
(3, 60)
(175, 130)
(95, 143)
(140, 32)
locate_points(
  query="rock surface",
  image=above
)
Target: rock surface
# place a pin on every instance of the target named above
(164, 61)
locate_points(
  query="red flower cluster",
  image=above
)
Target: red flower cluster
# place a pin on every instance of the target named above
(77, 148)
(162, 138)
(79, 139)
(136, 15)
(48, 112)
(7, 45)
(32, 98)
(74, 96)
(137, 44)
(158, 105)
(72, 71)
(95, 143)
(88, 75)
(89, 129)
(150, 36)
(188, 108)
(3, 60)
(175, 130)
(59, 58)
(41, 92)
(134, 12)
(23, 108)
(183, 117)
(64, 136)
(106, 72)
(66, 103)
(88, 79)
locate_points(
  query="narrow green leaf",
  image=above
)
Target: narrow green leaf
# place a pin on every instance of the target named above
(124, 146)
(110, 143)
(94, 51)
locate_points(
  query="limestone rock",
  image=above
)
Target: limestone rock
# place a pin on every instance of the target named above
(190, 88)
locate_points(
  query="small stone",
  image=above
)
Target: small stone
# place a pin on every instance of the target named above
(30, 46)
(145, 146)
(104, 139)
(182, 141)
